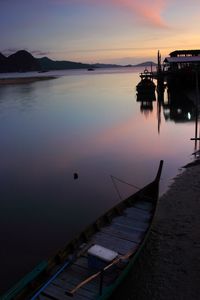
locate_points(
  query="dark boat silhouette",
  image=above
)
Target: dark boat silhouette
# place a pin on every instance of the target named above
(146, 85)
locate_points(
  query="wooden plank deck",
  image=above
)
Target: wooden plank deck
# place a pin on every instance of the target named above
(77, 273)
(123, 233)
(138, 211)
(114, 243)
(143, 205)
(57, 293)
(86, 292)
(123, 236)
(138, 216)
(131, 223)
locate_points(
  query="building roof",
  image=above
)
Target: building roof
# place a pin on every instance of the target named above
(185, 52)
(182, 59)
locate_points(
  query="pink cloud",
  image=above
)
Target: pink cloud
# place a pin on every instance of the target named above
(146, 11)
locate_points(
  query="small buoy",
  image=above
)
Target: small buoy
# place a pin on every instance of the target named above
(75, 175)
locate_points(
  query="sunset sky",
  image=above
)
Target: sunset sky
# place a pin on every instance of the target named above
(110, 31)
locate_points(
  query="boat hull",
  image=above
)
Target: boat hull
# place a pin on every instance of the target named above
(109, 291)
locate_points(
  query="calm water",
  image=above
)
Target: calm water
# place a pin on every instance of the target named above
(85, 122)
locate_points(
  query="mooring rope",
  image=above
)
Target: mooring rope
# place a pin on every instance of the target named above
(115, 185)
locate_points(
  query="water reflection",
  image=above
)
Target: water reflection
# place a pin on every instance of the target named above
(174, 103)
(177, 105)
(88, 124)
(20, 96)
(180, 106)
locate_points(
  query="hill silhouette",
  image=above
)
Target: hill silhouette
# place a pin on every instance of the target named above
(146, 64)
(47, 64)
(23, 61)
(3, 63)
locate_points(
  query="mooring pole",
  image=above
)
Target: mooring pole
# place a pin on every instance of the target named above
(197, 105)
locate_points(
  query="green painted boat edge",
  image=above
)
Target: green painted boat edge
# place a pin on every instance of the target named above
(18, 287)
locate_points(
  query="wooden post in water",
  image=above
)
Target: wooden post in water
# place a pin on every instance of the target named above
(159, 63)
(160, 89)
(160, 78)
(197, 113)
(197, 102)
(196, 138)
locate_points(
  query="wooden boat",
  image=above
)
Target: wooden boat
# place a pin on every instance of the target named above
(93, 264)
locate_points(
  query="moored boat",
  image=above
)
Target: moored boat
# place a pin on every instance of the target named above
(146, 85)
(93, 264)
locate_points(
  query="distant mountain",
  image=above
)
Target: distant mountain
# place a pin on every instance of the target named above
(23, 61)
(3, 63)
(47, 64)
(98, 65)
(2, 57)
(146, 64)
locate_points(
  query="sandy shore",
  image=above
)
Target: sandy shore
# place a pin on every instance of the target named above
(169, 265)
(20, 80)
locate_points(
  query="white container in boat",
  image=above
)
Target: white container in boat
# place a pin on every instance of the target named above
(99, 256)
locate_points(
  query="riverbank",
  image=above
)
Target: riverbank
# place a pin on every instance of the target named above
(169, 265)
(21, 80)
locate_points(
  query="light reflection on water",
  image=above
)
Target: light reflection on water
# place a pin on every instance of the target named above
(88, 123)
